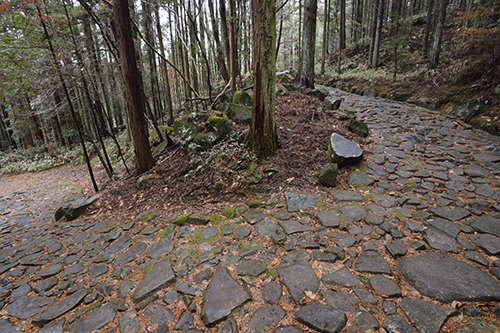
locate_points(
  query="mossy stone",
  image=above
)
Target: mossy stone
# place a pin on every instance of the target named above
(358, 127)
(219, 186)
(215, 219)
(254, 204)
(183, 219)
(229, 212)
(240, 114)
(241, 97)
(328, 175)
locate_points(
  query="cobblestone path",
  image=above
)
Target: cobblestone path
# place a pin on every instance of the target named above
(411, 246)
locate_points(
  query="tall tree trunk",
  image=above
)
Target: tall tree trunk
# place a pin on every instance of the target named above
(308, 44)
(438, 34)
(342, 25)
(325, 29)
(263, 137)
(225, 29)
(232, 44)
(164, 70)
(299, 48)
(135, 106)
(428, 25)
(378, 34)
(221, 64)
(376, 8)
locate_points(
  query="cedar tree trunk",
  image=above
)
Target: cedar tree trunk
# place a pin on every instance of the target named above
(263, 138)
(135, 106)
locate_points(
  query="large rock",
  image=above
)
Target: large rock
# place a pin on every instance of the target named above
(26, 307)
(485, 224)
(321, 318)
(299, 278)
(344, 152)
(240, 114)
(60, 308)
(428, 317)
(159, 277)
(319, 91)
(447, 279)
(332, 103)
(73, 209)
(241, 97)
(467, 110)
(222, 296)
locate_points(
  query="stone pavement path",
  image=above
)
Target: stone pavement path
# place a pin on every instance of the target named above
(412, 246)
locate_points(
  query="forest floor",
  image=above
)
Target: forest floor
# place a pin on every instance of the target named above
(304, 127)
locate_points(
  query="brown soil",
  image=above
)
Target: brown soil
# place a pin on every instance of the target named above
(304, 127)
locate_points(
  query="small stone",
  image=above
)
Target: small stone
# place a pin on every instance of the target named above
(160, 276)
(384, 286)
(251, 267)
(372, 262)
(265, 318)
(271, 293)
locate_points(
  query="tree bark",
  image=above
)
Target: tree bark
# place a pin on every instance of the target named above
(224, 28)
(325, 29)
(342, 25)
(221, 64)
(263, 137)
(438, 34)
(164, 70)
(135, 106)
(232, 44)
(308, 44)
(428, 25)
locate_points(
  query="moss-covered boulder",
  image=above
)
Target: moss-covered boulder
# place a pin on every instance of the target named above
(320, 92)
(281, 90)
(371, 90)
(284, 77)
(241, 97)
(219, 125)
(328, 175)
(358, 127)
(240, 114)
(187, 129)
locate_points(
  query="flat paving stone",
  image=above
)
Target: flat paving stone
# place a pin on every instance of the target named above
(60, 308)
(7, 327)
(288, 329)
(160, 276)
(347, 196)
(294, 226)
(384, 286)
(427, 317)
(340, 300)
(363, 322)
(353, 213)
(266, 228)
(26, 307)
(297, 201)
(446, 279)
(489, 243)
(321, 318)
(160, 249)
(95, 319)
(329, 219)
(397, 324)
(158, 314)
(129, 322)
(222, 296)
(440, 242)
(298, 278)
(341, 277)
(372, 262)
(444, 227)
(251, 267)
(485, 224)
(452, 214)
(264, 318)
(271, 293)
